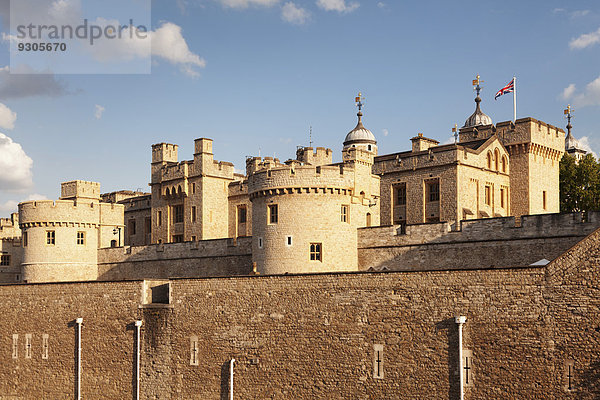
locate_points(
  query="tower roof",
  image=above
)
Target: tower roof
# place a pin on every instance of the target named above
(359, 134)
(478, 117)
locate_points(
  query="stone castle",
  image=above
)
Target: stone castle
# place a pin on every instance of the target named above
(312, 279)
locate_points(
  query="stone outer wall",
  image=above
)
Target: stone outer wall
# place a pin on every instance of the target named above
(312, 336)
(13, 248)
(475, 243)
(219, 257)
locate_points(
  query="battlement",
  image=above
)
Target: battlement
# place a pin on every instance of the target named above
(524, 130)
(254, 164)
(320, 155)
(479, 243)
(164, 152)
(331, 176)
(421, 143)
(80, 190)
(67, 211)
(203, 145)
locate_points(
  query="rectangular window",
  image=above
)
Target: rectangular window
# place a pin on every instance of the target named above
(148, 225)
(193, 213)
(260, 243)
(177, 212)
(502, 197)
(177, 238)
(273, 214)
(242, 215)
(316, 252)
(50, 238)
(25, 238)
(132, 227)
(344, 214)
(45, 346)
(569, 375)
(544, 203)
(288, 241)
(434, 191)
(5, 259)
(468, 367)
(159, 218)
(81, 238)
(488, 195)
(401, 195)
(193, 238)
(193, 188)
(28, 345)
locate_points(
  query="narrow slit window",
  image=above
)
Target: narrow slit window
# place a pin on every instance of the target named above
(344, 213)
(194, 350)
(544, 200)
(28, 345)
(50, 238)
(288, 241)
(15, 346)
(569, 375)
(45, 346)
(378, 361)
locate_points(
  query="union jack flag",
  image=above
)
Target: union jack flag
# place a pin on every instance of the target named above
(506, 89)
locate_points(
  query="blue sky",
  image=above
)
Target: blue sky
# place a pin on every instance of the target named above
(254, 75)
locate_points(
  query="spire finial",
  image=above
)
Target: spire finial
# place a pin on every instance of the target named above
(568, 115)
(477, 84)
(360, 103)
(455, 132)
(310, 137)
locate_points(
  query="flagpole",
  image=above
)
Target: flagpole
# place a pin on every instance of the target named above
(515, 100)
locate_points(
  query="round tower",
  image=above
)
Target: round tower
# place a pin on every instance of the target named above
(304, 218)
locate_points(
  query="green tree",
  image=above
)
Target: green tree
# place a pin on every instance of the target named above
(579, 184)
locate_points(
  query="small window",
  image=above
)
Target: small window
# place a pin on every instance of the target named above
(5, 259)
(273, 214)
(45, 346)
(288, 241)
(177, 238)
(496, 159)
(488, 195)
(503, 164)
(194, 351)
(50, 238)
(28, 345)
(369, 147)
(81, 238)
(159, 218)
(193, 213)
(15, 346)
(25, 239)
(401, 195)
(378, 361)
(242, 215)
(260, 243)
(544, 200)
(177, 214)
(316, 252)
(193, 188)
(369, 222)
(344, 213)
(502, 197)
(489, 160)
(569, 375)
(434, 191)
(193, 238)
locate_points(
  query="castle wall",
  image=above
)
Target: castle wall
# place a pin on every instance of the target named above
(11, 257)
(313, 336)
(477, 243)
(208, 258)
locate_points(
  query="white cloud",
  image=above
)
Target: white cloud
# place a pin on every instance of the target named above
(247, 3)
(584, 142)
(21, 84)
(293, 14)
(337, 5)
(15, 166)
(385, 132)
(381, 4)
(558, 10)
(585, 40)
(7, 117)
(169, 44)
(98, 111)
(568, 92)
(590, 96)
(579, 13)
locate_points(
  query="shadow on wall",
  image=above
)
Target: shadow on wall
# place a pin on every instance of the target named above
(225, 381)
(590, 379)
(449, 326)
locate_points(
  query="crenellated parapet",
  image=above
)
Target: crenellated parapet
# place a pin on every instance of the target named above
(68, 213)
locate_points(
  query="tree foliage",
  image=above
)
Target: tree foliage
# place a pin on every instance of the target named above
(579, 184)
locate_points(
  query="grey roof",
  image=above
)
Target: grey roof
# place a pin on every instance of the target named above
(478, 117)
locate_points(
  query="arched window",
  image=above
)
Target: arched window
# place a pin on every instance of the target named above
(179, 190)
(167, 193)
(369, 147)
(489, 160)
(504, 164)
(496, 159)
(368, 219)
